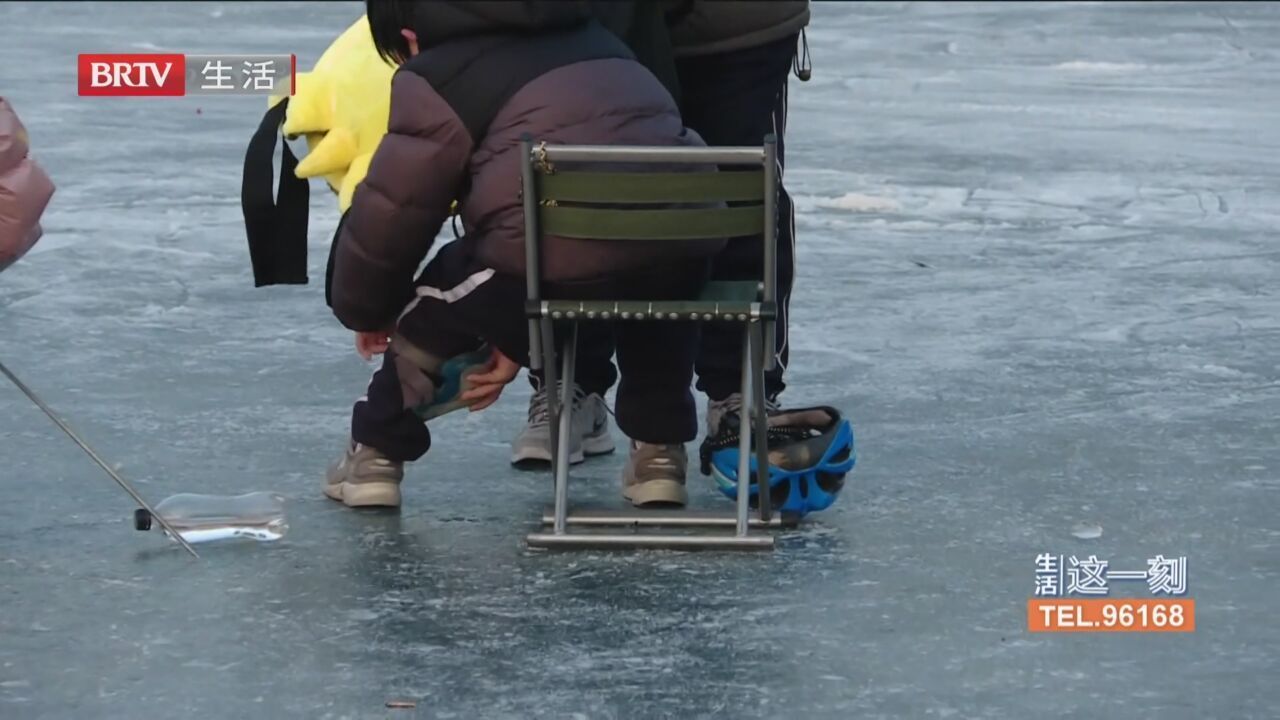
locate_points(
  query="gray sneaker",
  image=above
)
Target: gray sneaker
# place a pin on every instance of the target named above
(655, 475)
(364, 477)
(591, 436)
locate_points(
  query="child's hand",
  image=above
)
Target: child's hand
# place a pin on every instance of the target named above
(487, 386)
(369, 344)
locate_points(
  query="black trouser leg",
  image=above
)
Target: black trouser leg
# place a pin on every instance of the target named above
(384, 419)
(655, 400)
(595, 372)
(737, 98)
(459, 306)
(655, 403)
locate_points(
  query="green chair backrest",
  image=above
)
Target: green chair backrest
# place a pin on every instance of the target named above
(633, 194)
(612, 205)
(583, 188)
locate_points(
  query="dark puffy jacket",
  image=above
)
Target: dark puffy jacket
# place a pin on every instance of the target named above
(638, 24)
(643, 28)
(458, 111)
(706, 27)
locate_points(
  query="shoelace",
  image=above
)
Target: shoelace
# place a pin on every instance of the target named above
(733, 405)
(540, 409)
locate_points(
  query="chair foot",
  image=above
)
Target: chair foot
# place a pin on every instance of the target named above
(553, 541)
(680, 518)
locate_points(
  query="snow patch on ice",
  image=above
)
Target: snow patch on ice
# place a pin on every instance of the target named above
(858, 202)
(1222, 371)
(1099, 66)
(1118, 333)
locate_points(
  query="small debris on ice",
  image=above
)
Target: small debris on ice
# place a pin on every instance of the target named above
(1087, 531)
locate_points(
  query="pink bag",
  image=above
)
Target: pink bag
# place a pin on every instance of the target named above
(25, 190)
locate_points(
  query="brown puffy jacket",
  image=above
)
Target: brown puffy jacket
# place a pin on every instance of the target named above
(25, 190)
(458, 112)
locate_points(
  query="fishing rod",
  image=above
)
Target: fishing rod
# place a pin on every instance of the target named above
(106, 468)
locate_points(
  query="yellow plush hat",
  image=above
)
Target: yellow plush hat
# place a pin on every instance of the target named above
(341, 108)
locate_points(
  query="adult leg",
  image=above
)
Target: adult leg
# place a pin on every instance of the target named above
(594, 372)
(655, 405)
(737, 98)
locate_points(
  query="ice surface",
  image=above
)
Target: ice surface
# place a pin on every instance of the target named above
(1038, 266)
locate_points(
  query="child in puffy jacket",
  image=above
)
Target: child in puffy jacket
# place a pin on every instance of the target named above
(475, 78)
(25, 190)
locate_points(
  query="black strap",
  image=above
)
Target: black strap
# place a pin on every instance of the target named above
(800, 62)
(333, 254)
(275, 226)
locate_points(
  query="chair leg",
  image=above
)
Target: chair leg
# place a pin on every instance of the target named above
(535, 344)
(549, 378)
(761, 421)
(563, 421)
(744, 435)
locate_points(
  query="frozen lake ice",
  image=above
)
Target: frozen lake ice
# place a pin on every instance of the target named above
(1037, 266)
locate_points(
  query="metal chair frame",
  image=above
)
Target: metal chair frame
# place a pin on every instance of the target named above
(751, 304)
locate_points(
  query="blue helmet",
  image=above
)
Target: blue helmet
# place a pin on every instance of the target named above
(811, 450)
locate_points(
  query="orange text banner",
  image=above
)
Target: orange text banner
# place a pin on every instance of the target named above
(1111, 615)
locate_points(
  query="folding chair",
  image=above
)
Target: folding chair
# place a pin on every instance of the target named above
(587, 204)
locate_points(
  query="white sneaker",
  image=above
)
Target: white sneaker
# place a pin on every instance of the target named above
(590, 435)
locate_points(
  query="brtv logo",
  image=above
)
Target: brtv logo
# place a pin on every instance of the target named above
(132, 75)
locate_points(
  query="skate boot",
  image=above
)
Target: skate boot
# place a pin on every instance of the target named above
(810, 452)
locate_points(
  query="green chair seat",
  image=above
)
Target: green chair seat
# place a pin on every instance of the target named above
(731, 290)
(719, 300)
